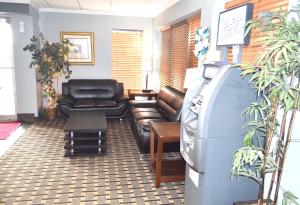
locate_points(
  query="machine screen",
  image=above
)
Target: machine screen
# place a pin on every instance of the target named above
(210, 72)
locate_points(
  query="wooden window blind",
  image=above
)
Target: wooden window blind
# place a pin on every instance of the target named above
(250, 52)
(127, 58)
(177, 55)
(165, 63)
(193, 25)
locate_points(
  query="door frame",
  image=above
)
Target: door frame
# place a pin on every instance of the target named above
(11, 117)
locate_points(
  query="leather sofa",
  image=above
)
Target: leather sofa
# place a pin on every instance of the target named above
(167, 107)
(88, 94)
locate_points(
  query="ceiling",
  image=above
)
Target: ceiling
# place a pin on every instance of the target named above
(141, 8)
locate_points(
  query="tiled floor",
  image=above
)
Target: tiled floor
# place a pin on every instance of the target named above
(6, 144)
(35, 171)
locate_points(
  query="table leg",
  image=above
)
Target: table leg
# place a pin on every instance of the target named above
(72, 142)
(99, 142)
(159, 161)
(152, 160)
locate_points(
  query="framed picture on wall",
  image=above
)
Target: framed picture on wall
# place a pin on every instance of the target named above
(232, 26)
(82, 49)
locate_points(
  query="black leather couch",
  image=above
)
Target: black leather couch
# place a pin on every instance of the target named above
(167, 107)
(87, 94)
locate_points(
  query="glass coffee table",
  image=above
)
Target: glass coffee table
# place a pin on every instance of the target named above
(85, 133)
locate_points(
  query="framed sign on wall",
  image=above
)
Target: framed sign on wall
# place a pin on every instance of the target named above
(232, 26)
(82, 49)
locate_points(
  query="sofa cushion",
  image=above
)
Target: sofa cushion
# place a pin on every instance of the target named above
(105, 103)
(142, 103)
(148, 115)
(169, 102)
(143, 109)
(66, 99)
(89, 88)
(145, 123)
(84, 103)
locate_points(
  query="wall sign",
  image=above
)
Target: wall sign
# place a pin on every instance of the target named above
(231, 29)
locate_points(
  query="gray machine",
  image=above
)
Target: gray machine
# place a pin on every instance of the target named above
(211, 130)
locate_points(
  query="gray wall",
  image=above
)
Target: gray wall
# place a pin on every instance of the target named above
(36, 31)
(14, 8)
(53, 23)
(25, 77)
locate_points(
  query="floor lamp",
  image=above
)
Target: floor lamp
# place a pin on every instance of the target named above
(146, 81)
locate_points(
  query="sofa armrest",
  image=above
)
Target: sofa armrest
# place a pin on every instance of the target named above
(121, 98)
(142, 103)
(66, 99)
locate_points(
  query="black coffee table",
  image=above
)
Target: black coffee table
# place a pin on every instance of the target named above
(85, 133)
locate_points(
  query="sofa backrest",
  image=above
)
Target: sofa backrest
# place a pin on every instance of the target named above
(90, 88)
(169, 102)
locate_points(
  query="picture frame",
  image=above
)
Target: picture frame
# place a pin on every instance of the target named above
(82, 49)
(232, 26)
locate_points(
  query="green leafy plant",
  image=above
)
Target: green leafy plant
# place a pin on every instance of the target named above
(50, 60)
(289, 199)
(275, 76)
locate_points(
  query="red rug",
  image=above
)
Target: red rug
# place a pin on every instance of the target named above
(6, 128)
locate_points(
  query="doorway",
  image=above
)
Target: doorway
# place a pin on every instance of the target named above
(7, 73)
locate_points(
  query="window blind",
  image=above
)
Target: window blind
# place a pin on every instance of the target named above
(127, 58)
(177, 55)
(165, 66)
(193, 25)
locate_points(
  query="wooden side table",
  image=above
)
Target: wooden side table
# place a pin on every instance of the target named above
(166, 170)
(139, 93)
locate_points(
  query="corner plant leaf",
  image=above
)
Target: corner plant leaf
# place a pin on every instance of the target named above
(248, 138)
(290, 198)
(49, 58)
(276, 85)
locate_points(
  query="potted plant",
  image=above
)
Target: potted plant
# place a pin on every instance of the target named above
(275, 76)
(50, 60)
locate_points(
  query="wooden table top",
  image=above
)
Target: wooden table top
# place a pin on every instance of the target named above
(167, 131)
(141, 93)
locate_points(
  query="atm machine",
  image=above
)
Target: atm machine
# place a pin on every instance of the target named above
(211, 130)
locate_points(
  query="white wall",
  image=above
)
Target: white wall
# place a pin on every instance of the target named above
(24, 77)
(53, 23)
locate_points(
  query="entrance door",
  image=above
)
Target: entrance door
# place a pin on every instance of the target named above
(7, 74)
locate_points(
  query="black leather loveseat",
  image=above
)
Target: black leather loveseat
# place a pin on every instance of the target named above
(167, 107)
(87, 94)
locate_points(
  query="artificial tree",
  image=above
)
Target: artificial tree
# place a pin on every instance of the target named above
(50, 60)
(275, 76)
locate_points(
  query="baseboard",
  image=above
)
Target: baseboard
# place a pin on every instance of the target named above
(4, 118)
(26, 117)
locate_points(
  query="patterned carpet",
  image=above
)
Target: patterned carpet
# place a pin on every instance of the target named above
(35, 171)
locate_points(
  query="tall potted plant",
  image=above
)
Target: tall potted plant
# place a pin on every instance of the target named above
(275, 76)
(50, 60)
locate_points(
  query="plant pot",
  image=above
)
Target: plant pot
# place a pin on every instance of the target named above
(51, 113)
